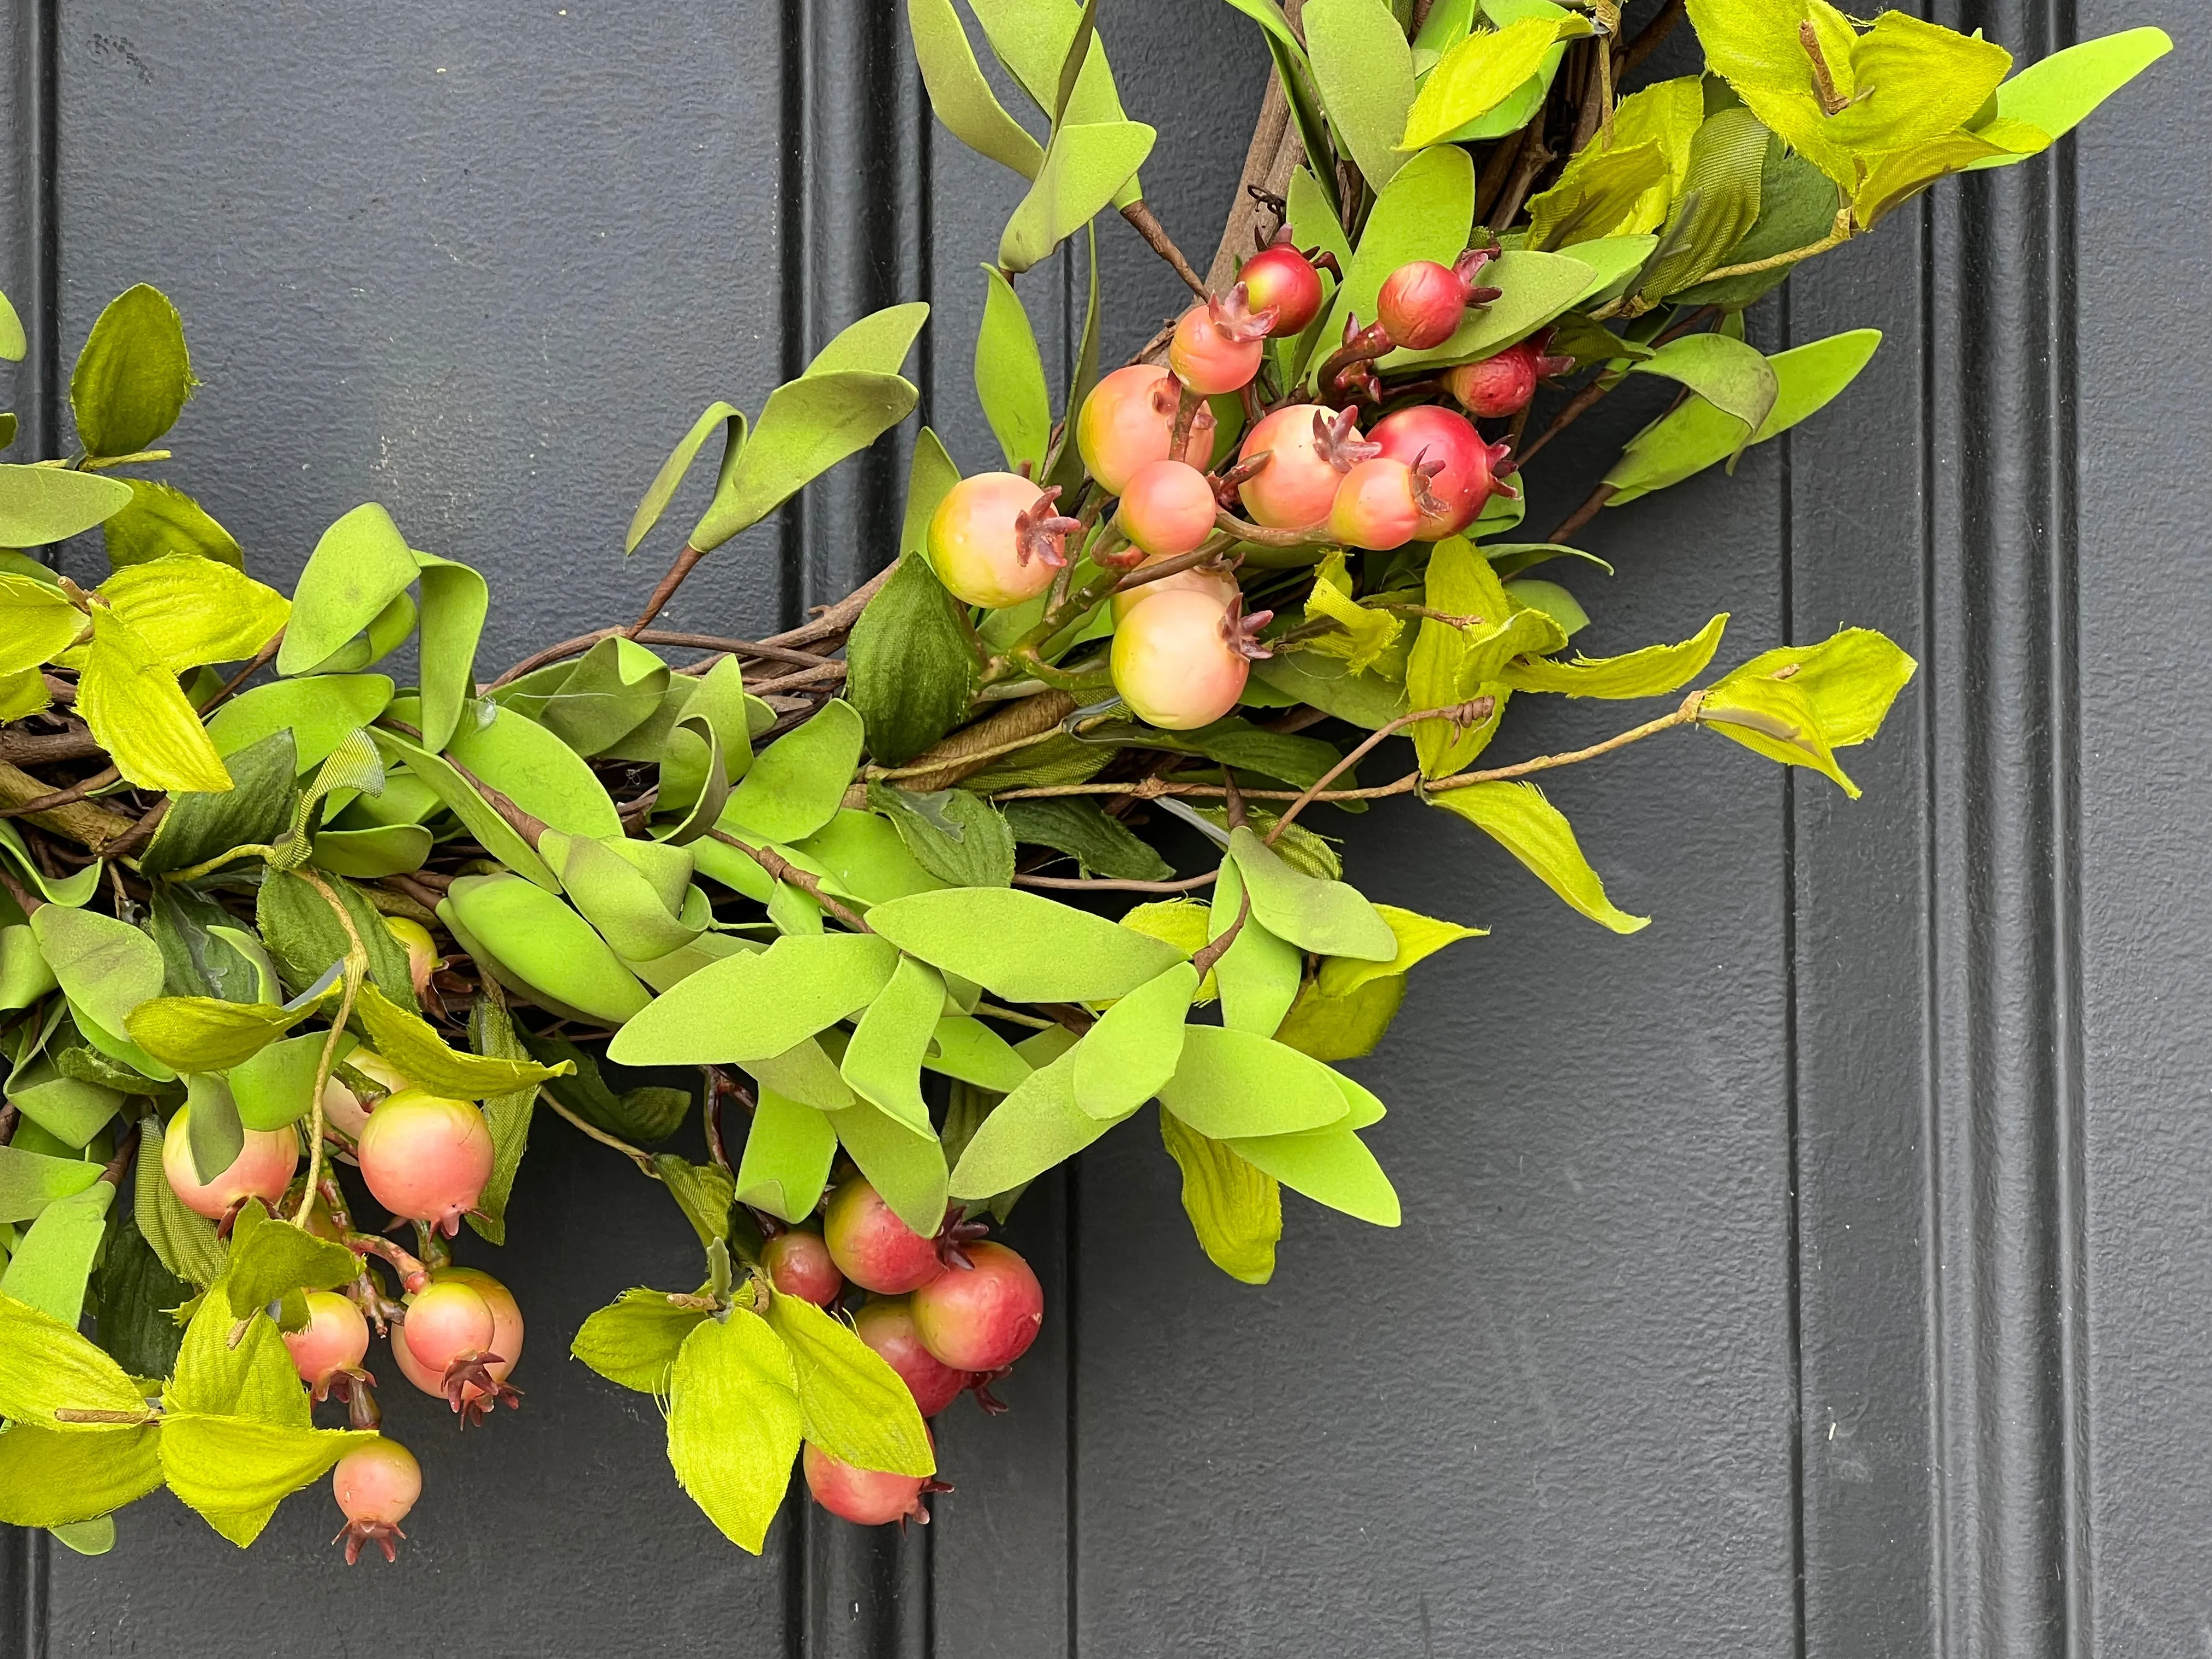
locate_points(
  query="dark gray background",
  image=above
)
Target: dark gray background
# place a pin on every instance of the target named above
(1823, 1271)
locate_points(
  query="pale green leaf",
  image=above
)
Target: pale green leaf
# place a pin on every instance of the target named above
(754, 1007)
(1020, 946)
(851, 1403)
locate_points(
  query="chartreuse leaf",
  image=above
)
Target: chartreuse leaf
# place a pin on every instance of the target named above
(851, 1403)
(52, 1261)
(1480, 73)
(23, 693)
(186, 1243)
(43, 504)
(1021, 945)
(809, 425)
(420, 1055)
(704, 1192)
(1084, 168)
(129, 698)
(754, 1007)
(270, 1257)
(482, 820)
(37, 623)
(787, 1154)
(194, 611)
(958, 93)
(133, 376)
(1460, 582)
(162, 520)
(53, 1479)
(1518, 817)
(1342, 1027)
(1800, 703)
(797, 782)
(1235, 1210)
(1718, 204)
(31, 1181)
(205, 1034)
(906, 1168)
(665, 482)
(634, 1340)
(1010, 377)
(252, 1376)
(491, 1033)
(360, 565)
(1330, 1166)
(45, 1367)
(13, 345)
(234, 1471)
(971, 1051)
(1692, 437)
(1125, 1059)
(1733, 377)
(1036, 1127)
(1257, 975)
(1232, 1083)
(1365, 68)
(1418, 936)
(883, 1062)
(734, 1423)
(532, 940)
(1651, 672)
(454, 600)
(1327, 917)
(2056, 95)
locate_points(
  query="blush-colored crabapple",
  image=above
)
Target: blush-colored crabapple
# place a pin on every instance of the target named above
(798, 1264)
(984, 1318)
(426, 1157)
(867, 1497)
(1127, 421)
(1461, 467)
(423, 958)
(1168, 509)
(1380, 504)
(1421, 304)
(1502, 384)
(1307, 450)
(1180, 661)
(506, 1338)
(376, 1485)
(332, 1343)
(886, 1324)
(1217, 583)
(446, 1345)
(996, 540)
(346, 1111)
(262, 1170)
(1217, 345)
(872, 1246)
(1282, 280)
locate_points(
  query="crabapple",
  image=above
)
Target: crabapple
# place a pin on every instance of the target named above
(798, 1264)
(446, 1345)
(1219, 585)
(426, 1157)
(1168, 508)
(1283, 280)
(375, 1485)
(1420, 303)
(506, 1315)
(886, 1324)
(1502, 384)
(262, 1170)
(423, 958)
(331, 1344)
(867, 1497)
(1380, 505)
(1462, 476)
(984, 1318)
(1126, 422)
(1308, 451)
(345, 1110)
(1217, 345)
(995, 540)
(1180, 659)
(872, 1247)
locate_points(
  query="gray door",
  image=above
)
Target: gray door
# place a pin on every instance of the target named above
(1823, 1271)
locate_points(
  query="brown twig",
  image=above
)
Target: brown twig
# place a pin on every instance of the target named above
(48, 748)
(54, 798)
(1214, 952)
(1583, 514)
(682, 641)
(782, 869)
(1465, 713)
(1648, 39)
(1156, 236)
(1534, 157)
(1105, 884)
(681, 566)
(265, 654)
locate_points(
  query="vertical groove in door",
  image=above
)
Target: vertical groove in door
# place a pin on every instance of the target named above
(1793, 1108)
(798, 273)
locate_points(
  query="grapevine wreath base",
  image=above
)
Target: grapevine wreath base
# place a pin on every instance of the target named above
(287, 949)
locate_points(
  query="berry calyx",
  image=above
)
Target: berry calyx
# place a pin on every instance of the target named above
(872, 1246)
(984, 1318)
(1280, 279)
(1168, 509)
(375, 1485)
(1179, 658)
(1421, 304)
(1462, 467)
(1382, 502)
(867, 1497)
(886, 1324)
(1502, 384)
(995, 540)
(426, 1157)
(262, 1170)
(1308, 449)
(1218, 345)
(328, 1351)
(1127, 421)
(798, 1264)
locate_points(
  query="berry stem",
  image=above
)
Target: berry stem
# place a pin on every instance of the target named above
(1156, 236)
(643, 1162)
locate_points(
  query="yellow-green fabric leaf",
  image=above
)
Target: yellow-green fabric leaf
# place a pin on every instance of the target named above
(1364, 66)
(235, 1471)
(49, 1479)
(1366, 634)
(851, 1403)
(134, 374)
(1518, 817)
(130, 697)
(635, 1342)
(1418, 936)
(23, 693)
(430, 1062)
(37, 623)
(1234, 1210)
(1622, 191)
(1480, 73)
(2055, 95)
(162, 519)
(45, 1366)
(734, 1423)
(1649, 672)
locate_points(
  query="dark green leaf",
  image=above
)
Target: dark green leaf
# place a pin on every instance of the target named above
(1100, 845)
(957, 835)
(492, 1032)
(647, 1113)
(305, 935)
(911, 663)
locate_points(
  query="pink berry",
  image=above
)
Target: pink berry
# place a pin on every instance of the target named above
(1126, 422)
(262, 1170)
(447, 1345)
(1459, 463)
(1421, 304)
(1308, 451)
(798, 1264)
(1218, 345)
(984, 1317)
(996, 539)
(448, 1321)
(333, 1344)
(343, 1109)
(426, 1157)
(1218, 585)
(376, 1485)
(1180, 661)
(1378, 506)
(872, 1247)
(1168, 508)
(1283, 280)
(886, 1325)
(867, 1497)
(1502, 384)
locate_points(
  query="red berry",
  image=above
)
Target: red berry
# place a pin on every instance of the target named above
(1168, 508)
(886, 1325)
(1172, 661)
(1421, 303)
(1309, 452)
(798, 1264)
(867, 1497)
(1458, 460)
(1218, 345)
(872, 1247)
(331, 1344)
(1126, 422)
(1502, 384)
(262, 1170)
(375, 1485)
(1377, 507)
(1283, 280)
(426, 1157)
(995, 539)
(982, 1318)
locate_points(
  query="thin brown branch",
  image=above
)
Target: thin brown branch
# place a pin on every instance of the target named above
(642, 1160)
(1583, 514)
(1534, 157)
(48, 748)
(1157, 238)
(53, 798)
(266, 655)
(1205, 959)
(684, 564)
(1105, 884)
(782, 869)
(1470, 713)
(1648, 39)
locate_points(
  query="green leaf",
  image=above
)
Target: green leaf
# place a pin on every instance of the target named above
(810, 425)
(635, 1342)
(1735, 377)
(270, 1257)
(1346, 1027)
(1518, 817)
(53, 1479)
(1651, 672)
(1258, 975)
(2057, 94)
(129, 698)
(1366, 699)
(797, 782)
(536, 769)
(959, 95)
(1299, 761)
(1717, 204)
(787, 1159)
(205, 1034)
(423, 1057)
(670, 476)
(360, 565)
(133, 376)
(52, 1262)
(1233, 1083)
(1099, 844)
(45, 1366)
(1448, 662)
(1327, 917)
(29, 1182)
(107, 967)
(277, 1085)
(252, 1376)
(390, 849)
(883, 1062)
(969, 1049)
(186, 1243)
(454, 600)
(43, 504)
(1330, 1166)
(492, 832)
(37, 623)
(1010, 377)
(1033, 1128)
(1084, 168)
(1417, 937)
(13, 345)
(629, 909)
(958, 836)
(1130, 1054)
(877, 344)
(491, 1032)
(906, 1167)
(754, 1007)
(603, 696)
(1604, 193)
(1538, 287)
(1798, 704)
(734, 1423)
(319, 712)
(704, 1192)
(1797, 205)
(255, 811)
(1235, 1210)
(305, 935)
(234, 1471)
(911, 663)
(539, 947)
(1022, 947)
(647, 1113)
(214, 1132)
(852, 1404)
(1365, 68)
(1480, 73)
(138, 1298)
